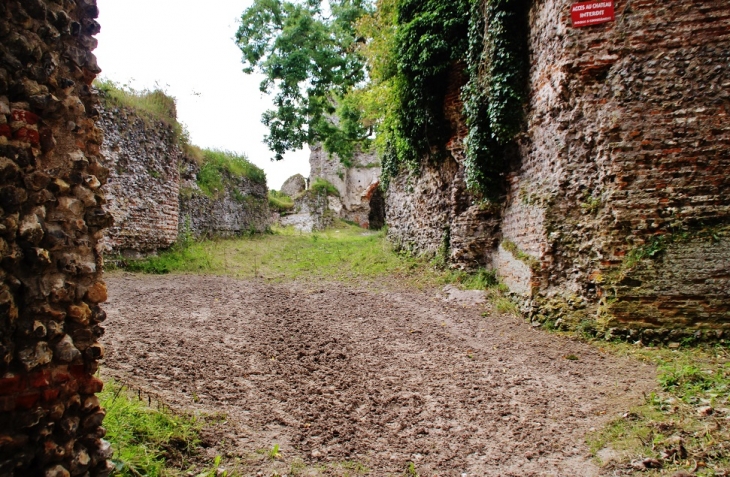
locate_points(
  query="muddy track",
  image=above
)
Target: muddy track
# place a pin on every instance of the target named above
(333, 373)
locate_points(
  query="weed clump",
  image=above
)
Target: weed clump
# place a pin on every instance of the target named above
(147, 441)
(280, 202)
(323, 186)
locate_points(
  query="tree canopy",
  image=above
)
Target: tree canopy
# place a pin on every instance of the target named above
(344, 69)
(307, 51)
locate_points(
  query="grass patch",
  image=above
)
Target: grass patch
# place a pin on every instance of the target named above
(323, 186)
(341, 253)
(280, 201)
(481, 279)
(683, 425)
(218, 168)
(147, 441)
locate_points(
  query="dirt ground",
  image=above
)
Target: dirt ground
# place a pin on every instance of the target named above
(338, 375)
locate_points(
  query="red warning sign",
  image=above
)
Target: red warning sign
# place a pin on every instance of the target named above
(592, 13)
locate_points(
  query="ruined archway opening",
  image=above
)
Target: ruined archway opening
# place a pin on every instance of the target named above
(376, 217)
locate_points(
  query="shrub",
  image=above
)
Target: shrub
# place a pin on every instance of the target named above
(324, 186)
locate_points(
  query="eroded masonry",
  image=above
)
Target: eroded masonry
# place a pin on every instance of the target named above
(152, 191)
(617, 211)
(52, 222)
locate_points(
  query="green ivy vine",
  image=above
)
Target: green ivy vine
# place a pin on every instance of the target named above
(490, 37)
(431, 36)
(498, 65)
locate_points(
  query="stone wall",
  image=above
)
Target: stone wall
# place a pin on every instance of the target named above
(312, 212)
(242, 207)
(356, 184)
(152, 191)
(432, 212)
(142, 156)
(617, 208)
(52, 223)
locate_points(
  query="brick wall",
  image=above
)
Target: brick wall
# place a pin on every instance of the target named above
(629, 147)
(142, 156)
(617, 208)
(51, 224)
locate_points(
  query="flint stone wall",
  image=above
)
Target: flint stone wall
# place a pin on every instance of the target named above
(242, 207)
(52, 223)
(153, 195)
(142, 156)
(626, 153)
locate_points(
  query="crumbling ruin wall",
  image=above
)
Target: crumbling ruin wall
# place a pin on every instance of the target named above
(624, 175)
(311, 212)
(431, 212)
(357, 183)
(143, 158)
(242, 207)
(52, 223)
(617, 209)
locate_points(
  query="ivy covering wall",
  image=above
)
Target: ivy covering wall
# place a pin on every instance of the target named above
(352, 77)
(498, 65)
(490, 38)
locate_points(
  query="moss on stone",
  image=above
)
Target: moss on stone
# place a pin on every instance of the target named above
(523, 257)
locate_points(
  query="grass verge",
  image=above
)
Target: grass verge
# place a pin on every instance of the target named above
(151, 442)
(342, 253)
(682, 426)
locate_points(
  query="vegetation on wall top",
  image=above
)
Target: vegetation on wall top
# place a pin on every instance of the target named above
(218, 168)
(151, 105)
(280, 202)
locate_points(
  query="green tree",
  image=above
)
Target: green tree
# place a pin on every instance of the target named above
(307, 51)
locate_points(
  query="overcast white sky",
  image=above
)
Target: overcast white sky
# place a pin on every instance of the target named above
(187, 48)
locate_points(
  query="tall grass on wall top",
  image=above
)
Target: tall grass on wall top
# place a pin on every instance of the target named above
(151, 105)
(218, 167)
(323, 186)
